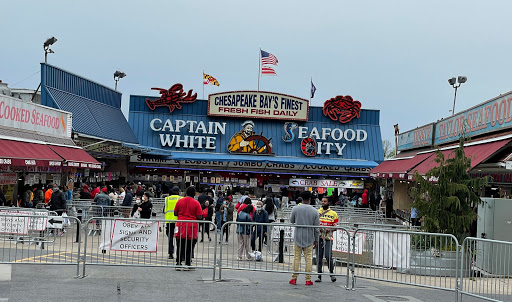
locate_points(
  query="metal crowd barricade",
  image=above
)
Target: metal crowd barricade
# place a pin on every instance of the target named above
(272, 256)
(59, 238)
(414, 258)
(145, 242)
(486, 269)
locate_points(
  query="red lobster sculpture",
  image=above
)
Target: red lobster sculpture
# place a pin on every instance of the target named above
(172, 98)
(342, 108)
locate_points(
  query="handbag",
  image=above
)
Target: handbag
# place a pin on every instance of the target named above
(136, 215)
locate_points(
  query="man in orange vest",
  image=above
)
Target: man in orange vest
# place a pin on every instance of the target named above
(48, 193)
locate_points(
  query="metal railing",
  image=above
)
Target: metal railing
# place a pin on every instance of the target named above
(414, 258)
(146, 242)
(479, 268)
(39, 239)
(486, 269)
(273, 250)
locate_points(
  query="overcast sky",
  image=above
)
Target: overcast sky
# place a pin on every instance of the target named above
(395, 56)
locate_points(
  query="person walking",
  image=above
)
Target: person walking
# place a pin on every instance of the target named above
(170, 218)
(228, 212)
(260, 216)
(102, 200)
(57, 204)
(187, 208)
(145, 207)
(207, 217)
(329, 218)
(244, 231)
(305, 239)
(219, 213)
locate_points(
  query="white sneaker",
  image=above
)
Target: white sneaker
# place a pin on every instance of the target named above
(251, 254)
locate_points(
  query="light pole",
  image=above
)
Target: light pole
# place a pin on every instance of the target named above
(118, 75)
(453, 81)
(46, 46)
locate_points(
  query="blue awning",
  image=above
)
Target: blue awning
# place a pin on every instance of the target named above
(148, 150)
(94, 118)
(349, 163)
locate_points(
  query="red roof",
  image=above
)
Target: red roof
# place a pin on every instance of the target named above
(76, 157)
(27, 154)
(477, 153)
(398, 168)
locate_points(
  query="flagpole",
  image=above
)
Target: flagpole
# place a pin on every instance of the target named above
(259, 68)
(203, 83)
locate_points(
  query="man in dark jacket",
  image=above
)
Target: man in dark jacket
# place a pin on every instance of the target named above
(261, 230)
(103, 200)
(127, 201)
(58, 201)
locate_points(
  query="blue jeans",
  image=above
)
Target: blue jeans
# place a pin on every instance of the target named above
(218, 220)
(324, 249)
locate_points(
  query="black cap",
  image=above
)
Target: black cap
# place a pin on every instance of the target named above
(176, 189)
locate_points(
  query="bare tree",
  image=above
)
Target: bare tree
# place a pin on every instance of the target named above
(389, 150)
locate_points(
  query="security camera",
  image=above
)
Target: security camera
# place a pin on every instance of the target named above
(452, 81)
(462, 79)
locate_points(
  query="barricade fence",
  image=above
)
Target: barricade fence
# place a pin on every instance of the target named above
(39, 238)
(480, 267)
(398, 256)
(486, 269)
(270, 247)
(149, 242)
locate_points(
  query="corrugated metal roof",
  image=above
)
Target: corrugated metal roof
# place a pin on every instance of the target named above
(35, 136)
(94, 118)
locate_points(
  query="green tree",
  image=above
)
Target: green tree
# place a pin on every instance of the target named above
(445, 197)
(389, 151)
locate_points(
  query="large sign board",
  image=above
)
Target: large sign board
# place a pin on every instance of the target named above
(326, 183)
(134, 236)
(17, 114)
(258, 104)
(493, 115)
(416, 138)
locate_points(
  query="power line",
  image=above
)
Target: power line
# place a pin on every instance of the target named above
(26, 78)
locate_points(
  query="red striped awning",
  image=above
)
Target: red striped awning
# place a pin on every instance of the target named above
(399, 167)
(477, 153)
(76, 157)
(18, 153)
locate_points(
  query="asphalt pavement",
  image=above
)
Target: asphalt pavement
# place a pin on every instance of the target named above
(29, 282)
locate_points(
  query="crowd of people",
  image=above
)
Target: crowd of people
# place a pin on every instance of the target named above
(210, 207)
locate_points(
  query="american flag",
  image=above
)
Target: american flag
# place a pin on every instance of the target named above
(268, 58)
(265, 70)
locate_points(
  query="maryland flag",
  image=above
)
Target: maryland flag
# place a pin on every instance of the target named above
(208, 79)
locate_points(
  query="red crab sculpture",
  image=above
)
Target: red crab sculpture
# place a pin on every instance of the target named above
(342, 108)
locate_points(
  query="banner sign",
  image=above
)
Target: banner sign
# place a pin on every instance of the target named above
(258, 104)
(8, 178)
(340, 242)
(140, 159)
(17, 114)
(493, 115)
(329, 183)
(419, 137)
(134, 236)
(288, 233)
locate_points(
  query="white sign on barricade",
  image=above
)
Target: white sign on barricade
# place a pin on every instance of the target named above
(340, 242)
(38, 224)
(55, 222)
(392, 249)
(134, 236)
(13, 225)
(289, 232)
